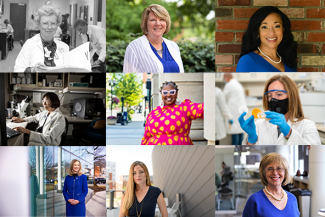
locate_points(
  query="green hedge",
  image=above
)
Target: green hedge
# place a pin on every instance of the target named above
(197, 56)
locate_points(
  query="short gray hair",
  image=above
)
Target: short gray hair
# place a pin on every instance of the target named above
(78, 22)
(47, 11)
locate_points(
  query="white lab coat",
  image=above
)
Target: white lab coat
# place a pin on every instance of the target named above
(33, 52)
(303, 133)
(97, 37)
(139, 57)
(235, 97)
(52, 130)
(222, 110)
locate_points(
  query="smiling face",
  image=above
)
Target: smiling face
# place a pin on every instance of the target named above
(76, 167)
(274, 174)
(156, 26)
(168, 99)
(276, 85)
(271, 32)
(139, 176)
(48, 26)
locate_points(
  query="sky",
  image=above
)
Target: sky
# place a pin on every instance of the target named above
(125, 155)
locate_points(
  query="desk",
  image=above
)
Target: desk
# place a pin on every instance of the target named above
(77, 120)
(17, 140)
(3, 43)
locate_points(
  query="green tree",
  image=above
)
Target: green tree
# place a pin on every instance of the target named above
(128, 86)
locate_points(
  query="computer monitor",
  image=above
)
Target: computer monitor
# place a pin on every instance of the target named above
(3, 129)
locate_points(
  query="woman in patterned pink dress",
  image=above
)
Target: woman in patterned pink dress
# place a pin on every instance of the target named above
(170, 123)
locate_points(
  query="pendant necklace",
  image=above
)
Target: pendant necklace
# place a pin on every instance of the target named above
(158, 51)
(278, 199)
(269, 57)
(136, 205)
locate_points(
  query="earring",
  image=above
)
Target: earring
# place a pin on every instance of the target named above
(178, 102)
(162, 104)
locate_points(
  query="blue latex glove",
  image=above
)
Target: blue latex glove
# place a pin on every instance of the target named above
(231, 122)
(280, 120)
(249, 127)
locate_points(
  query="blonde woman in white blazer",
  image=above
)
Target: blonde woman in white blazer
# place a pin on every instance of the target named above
(51, 123)
(152, 53)
(43, 50)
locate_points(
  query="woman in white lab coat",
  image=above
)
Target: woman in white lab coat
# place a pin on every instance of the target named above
(51, 123)
(285, 123)
(43, 51)
(222, 110)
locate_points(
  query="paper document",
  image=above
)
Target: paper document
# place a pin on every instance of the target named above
(77, 60)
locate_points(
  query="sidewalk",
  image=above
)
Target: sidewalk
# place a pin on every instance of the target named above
(130, 134)
(96, 206)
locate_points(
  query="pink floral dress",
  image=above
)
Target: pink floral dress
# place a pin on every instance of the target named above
(171, 125)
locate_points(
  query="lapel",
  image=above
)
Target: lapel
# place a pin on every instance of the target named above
(174, 54)
(145, 43)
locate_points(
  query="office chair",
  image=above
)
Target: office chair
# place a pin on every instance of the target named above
(96, 132)
(65, 132)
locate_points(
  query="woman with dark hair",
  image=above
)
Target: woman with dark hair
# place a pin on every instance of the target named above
(268, 44)
(51, 123)
(170, 123)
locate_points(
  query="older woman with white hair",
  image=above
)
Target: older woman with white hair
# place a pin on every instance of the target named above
(151, 52)
(43, 50)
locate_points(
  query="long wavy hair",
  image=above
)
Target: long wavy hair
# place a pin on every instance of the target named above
(129, 193)
(294, 104)
(71, 167)
(287, 49)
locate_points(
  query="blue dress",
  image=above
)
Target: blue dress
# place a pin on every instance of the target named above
(167, 60)
(148, 204)
(252, 62)
(75, 188)
(258, 205)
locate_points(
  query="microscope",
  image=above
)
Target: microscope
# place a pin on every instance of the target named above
(20, 112)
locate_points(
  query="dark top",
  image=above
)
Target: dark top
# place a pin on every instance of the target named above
(167, 60)
(258, 205)
(148, 204)
(252, 62)
(74, 175)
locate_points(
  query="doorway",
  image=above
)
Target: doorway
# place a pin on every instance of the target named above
(19, 24)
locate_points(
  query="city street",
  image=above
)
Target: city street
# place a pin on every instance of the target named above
(130, 134)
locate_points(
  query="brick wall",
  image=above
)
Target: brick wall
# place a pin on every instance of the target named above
(307, 25)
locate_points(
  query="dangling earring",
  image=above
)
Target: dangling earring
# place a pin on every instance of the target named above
(162, 104)
(178, 102)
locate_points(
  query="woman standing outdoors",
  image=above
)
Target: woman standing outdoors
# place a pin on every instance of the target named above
(140, 198)
(75, 190)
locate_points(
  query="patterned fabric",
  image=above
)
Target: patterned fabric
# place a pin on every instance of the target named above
(171, 125)
(49, 52)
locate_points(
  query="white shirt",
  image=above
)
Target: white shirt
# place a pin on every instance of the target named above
(33, 52)
(97, 37)
(222, 110)
(139, 57)
(52, 130)
(303, 133)
(235, 97)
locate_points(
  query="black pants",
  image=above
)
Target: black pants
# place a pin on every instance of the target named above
(10, 40)
(101, 67)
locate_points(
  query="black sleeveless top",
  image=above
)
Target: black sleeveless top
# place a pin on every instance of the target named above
(148, 204)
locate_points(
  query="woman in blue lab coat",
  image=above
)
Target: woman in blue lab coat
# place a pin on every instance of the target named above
(75, 190)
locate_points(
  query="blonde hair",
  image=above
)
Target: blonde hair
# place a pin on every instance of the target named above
(47, 11)
(274, 158)
(71, 167)
(294, 103)
(160, 12)
(130, 187)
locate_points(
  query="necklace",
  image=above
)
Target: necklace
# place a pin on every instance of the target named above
(269, 57)
(158, 51)
(136, 205)
(275, 196)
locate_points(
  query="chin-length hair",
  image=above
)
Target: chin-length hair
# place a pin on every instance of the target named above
(71, 167)
(287, 49)
(129, 193)
(294, 104)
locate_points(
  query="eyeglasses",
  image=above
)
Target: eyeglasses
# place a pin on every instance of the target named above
(171, 92)
(46, 101)
(45, 25)
(279, 169)
(277, 94)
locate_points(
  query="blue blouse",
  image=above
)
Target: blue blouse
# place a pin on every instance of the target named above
(258, 205)
(167, 60)
(252, 62)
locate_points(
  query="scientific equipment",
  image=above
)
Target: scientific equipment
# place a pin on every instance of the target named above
(258, 114)
(21, 108)
(243, 109)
